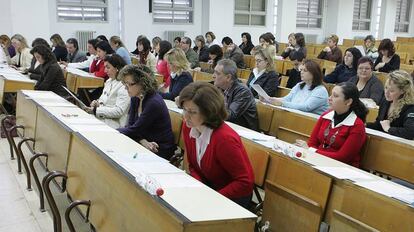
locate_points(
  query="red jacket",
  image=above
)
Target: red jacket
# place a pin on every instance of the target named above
(162, 68)
(225, 166)
(98, 68)
(344, 141)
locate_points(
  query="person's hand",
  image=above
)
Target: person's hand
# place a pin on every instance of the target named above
(379, 65)
(177, 101)
(94, 103)
(64, 63)
(301, 143)
(88, 110)
(275, 101)
(385, 125)
(327, 49)
(152, 146)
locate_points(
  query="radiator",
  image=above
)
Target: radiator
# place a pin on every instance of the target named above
(83, 37)
(170, 35)
(309, 38)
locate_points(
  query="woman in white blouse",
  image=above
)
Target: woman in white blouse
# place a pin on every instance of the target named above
(23, 57)
(112, 106)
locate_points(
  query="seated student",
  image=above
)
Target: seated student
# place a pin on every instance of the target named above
(332, 52)
(239, 100)
(211, 39)
(145, 55)
(102, 38)
(118, 46)
(148, 120)
(6, 45)
(51, 77)
(268, 41)
(396, 112)
(369, 47)
(59, 47)
(246, 46)
(201, 48)
(190, 54)
(309, 95)
(23, 57)
(180, 77)
(136, 51)
(98, 67)
(340, 132)
(232, 52)
(387, 60)
(155, 45)
(112, 106)
(177, 42)
(162, 66)
(296, 49)
(347, 69)
(215, 53)
(35, 70)
(369, 86)
(74, 55)
(264, 74)
(215, 153)
(85, 65)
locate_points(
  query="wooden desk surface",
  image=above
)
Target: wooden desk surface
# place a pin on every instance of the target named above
(12, 81)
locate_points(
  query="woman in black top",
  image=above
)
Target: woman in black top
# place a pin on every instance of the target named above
(296, 49)
(201, 48)
(246, 46)
(34, 71)
(59, 47)
(396, 113)
(387, 61)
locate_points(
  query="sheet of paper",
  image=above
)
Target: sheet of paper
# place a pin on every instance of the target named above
(135, 157)
(255, 136)
(137, 168)
(261, 92)
(346, 173)
(79, 72)
(387, 188)
(180, 180)
(407, 198)
(81, 120)
(40, 94)
(97, 127)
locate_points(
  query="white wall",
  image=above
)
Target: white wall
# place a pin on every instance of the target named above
(5, 24)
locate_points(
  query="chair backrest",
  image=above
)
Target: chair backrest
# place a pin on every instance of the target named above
(344, 222)
(282, 91)
(71, 81)
(159, 78)
(283, 81)
(265, 115)
(249, 61)
(176, 123)
(205, 65)
(259, 159)
(203, 76)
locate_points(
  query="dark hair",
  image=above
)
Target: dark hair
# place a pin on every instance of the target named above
(115, 60)
(316, 72)
(178, 38)
(102, 38)
(74, 42)
(215, 50)
(186, 40)
(366, 59)
(387, 44)
(57, 39)
(93, 42)
(356, 54)
(201, 39)
(248, 37)
(213, 36)
(104, 46)
(350, 91)
(369, 37)
(40, 41)
(156, 40)
(142, 75)
(165, 46)
(210, 101)
(268, 37)
(300, 39)
(45, 52)
(146, 44)
(227, 40)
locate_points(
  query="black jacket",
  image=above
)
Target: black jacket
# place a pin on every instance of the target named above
(34, 73)
(203, 55)
(269, 81)
(393, 64)
(402, 126)
(61, 53)
(246, 48)
(51, 79)
(177, 84)
(295, 54)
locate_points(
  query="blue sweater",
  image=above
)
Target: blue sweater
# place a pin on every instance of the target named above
(154, 124)
(177, 84)
(122, 52)
(341, 73)
(312, 101)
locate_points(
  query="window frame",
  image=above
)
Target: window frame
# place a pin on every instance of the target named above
(174, 9)
(399, 25)
(309, 16)
(360, 18)
(82, 4)
(250, 13)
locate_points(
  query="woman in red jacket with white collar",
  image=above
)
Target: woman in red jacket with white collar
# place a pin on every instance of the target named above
(215, 153)
(340, 132)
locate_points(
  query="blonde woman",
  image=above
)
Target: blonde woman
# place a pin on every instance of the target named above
(180, 77)
(396, 112)
(112, 106)
(119, 48)
(23, 57)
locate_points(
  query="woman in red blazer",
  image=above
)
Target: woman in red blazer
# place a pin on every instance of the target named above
(98, 67)
(215, 153)
(340, 132)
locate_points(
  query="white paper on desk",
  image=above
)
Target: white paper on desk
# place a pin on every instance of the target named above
(255, 136)
(179, 180)
(79, 72)
(261, 92)
(407, 198)
(385, 187)
(81, 120)
(88, 128)
(345, 173)
(135, 157)
(138, 168)
(41, 94)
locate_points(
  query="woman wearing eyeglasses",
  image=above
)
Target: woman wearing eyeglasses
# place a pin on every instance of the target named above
(263, 74)
(340, 132)
(112, 106)
(148, 119)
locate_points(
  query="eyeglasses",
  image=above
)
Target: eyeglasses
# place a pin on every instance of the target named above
(127, 84)
(259, 61)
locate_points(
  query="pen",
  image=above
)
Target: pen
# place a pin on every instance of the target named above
(259, 140)
(135, 155)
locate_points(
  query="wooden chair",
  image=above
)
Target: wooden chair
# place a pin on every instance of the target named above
(359, 42)
(407, 67)
(403, 57)
(294, 190)
(348, 42)
(249, 61)
(382, 77)
(71, 81)
(283, 81)
(134, 60)
(159, 78)
(310, 49)
(243, 73)
(279, 66)
(343, 222)
(282, 47)
(265, 115)
(372, 114)
(203, 76)
(205, 65)
(176, 124)
(282, 91)
(287, 65)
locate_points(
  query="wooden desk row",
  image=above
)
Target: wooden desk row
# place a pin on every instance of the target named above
(11, 81)
(77, 79)
(89, 153)
(299, 197)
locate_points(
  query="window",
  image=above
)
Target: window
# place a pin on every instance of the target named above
(82, 10)
(309, 13)
(378, 18)
(402, 18)
(275, 16)
(173, 11)
(250, 12)
(362, 15)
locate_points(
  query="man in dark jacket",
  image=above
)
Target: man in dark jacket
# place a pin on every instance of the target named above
(232, 52)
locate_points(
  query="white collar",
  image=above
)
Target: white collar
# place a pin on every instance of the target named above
(205, 133)
(257, 74)
(348, 121)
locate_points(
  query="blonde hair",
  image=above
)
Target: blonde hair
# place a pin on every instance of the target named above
(117, 40)
(177, 58)
(404, 82)
(21, 39)
(265, 54)
(4, 39)
(334, 38)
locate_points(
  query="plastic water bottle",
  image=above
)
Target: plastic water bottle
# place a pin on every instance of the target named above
(149, 184)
